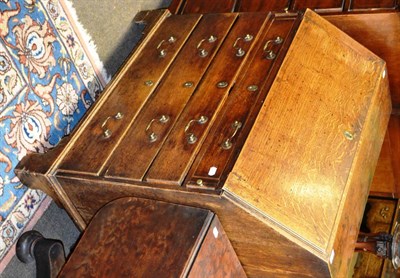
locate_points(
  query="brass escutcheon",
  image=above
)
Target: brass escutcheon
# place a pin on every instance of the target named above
(348, 135)
(252, 88)
(149, 83)
(222, 84)
(188, 84)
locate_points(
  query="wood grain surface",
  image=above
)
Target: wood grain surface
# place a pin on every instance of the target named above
(262, 5)
(206, 101)
(379, 32)
(242, 106)
(139, 238)
(394, 135)
(313, 127)
(385, 184)
(318, 5)
(220, 6)
(296, 194)
(136, 143)
(262, 251)
(321, 6)
(372, 4)
(128, 96)
(216, 257)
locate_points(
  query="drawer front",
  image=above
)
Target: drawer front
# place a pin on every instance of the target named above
(178, 152)
(126, 96)
(379, 215)
(262, 5)
(318, 5)
(356, 5)
(207, 6)
(236, 118)
(160, 113)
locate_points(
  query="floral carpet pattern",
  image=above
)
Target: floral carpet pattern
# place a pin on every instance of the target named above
(47, 82)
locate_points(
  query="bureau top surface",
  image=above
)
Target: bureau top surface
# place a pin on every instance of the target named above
(319, 121)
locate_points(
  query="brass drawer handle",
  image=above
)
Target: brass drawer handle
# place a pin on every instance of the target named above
(151, 134)
(384, 212)
(106, 131)
(161, 51)
(268, 47)
(227, 144)
(202, 51)
(239, 51)
(190, 137)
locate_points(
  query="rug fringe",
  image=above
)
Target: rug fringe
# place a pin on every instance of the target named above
(88, 41)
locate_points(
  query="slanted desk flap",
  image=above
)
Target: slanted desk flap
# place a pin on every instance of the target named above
(316, 139)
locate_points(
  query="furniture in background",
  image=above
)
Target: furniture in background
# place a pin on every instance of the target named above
(48, 254)
(379, 217)
(272, 121)
(153, 239)
(136, 237)
(320, 6)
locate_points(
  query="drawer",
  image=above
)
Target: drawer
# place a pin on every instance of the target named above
(161, 112)
(262, 5)
(237, 116)
(193, 125)
(379, 215)
(318, 5)
(357, 5)
(220, 6)
(126, 96)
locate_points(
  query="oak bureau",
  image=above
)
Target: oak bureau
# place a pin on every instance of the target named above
(272, 121)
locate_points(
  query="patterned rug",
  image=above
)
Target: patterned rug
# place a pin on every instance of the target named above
(47, 82)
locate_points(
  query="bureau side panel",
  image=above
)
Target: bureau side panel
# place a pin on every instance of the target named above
(384, 184)
(216, 257)
(297, 162)
(360, 179)
(262, 251)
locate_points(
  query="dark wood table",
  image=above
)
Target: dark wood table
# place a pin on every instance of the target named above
(133, 237)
